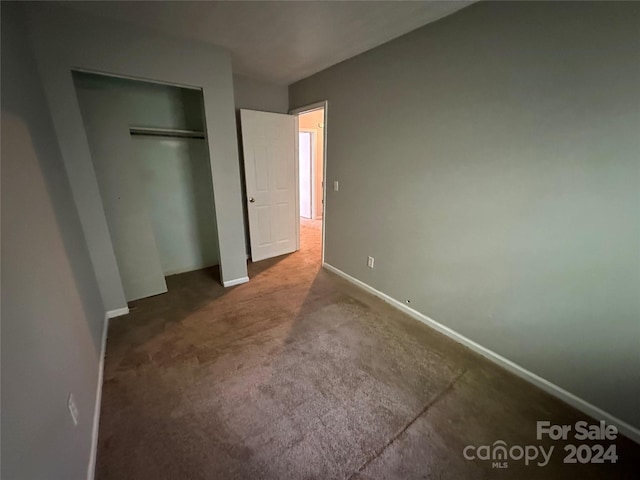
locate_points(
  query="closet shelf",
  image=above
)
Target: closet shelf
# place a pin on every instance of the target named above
(166, 132)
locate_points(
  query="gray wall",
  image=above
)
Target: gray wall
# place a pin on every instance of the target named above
(156, 191)
(490, 164)
(52, 312)
(255, 95)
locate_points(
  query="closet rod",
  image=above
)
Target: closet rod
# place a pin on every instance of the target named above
(166, 132)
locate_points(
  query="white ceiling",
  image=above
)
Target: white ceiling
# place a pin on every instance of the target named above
(280, 41)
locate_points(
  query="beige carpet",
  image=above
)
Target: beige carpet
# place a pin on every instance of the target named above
(299, 375)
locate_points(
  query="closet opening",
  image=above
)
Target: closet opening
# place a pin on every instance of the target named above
(152, 166)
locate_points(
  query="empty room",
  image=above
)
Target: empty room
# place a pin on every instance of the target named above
(360, 240)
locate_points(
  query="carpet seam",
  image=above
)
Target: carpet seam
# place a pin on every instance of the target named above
(424, 410)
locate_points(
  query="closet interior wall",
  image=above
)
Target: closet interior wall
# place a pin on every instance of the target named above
(156, 190)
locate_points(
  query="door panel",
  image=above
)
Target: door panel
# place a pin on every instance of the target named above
(268, 141)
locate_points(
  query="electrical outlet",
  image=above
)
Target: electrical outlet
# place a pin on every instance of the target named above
(73, 409)
(336, 186)
(370, 261)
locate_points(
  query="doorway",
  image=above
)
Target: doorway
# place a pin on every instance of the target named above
(285, 163)
(311, 123)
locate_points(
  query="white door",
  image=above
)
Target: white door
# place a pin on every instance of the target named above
(306, 189)
(268, 141)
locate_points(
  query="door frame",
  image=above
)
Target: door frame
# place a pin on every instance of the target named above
(296, 112)
(312, 173)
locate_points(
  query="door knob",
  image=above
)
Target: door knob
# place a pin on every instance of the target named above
(252, 200)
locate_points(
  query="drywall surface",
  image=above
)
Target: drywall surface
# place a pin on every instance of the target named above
(256, 95)
(177, 188)
(65, 40)
(52, 311)
(490, 164)
(104, 111)
(156, 191)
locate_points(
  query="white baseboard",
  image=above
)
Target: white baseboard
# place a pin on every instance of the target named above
(237, 281)
(623, 427)
(118, 312)
(91, 470)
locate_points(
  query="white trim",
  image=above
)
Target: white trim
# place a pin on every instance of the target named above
(118, 312)
(296, 173)
(237, 281)
(625, 428)
(325, 139)
(91, 469)
(308, 108)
